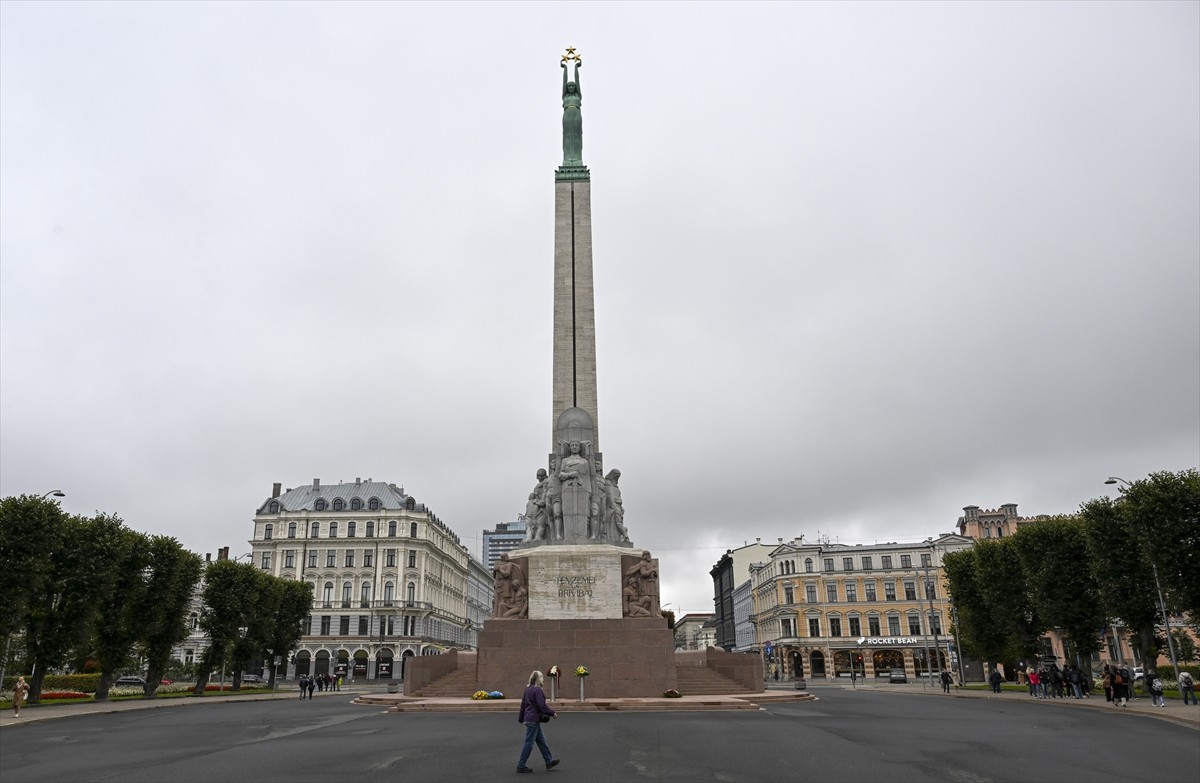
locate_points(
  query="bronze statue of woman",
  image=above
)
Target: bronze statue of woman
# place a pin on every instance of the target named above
(572, 117)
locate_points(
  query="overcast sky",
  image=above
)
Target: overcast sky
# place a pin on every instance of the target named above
(857, 265)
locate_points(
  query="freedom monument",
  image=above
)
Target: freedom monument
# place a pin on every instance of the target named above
(575, 592)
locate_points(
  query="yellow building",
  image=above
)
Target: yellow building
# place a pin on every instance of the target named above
(827, 610)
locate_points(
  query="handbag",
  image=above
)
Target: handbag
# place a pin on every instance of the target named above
(545, 719)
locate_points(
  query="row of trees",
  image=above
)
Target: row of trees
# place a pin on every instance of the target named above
(85, 592)
(1083, 573)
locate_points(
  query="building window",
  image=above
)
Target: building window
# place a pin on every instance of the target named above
(870, 588)
(867, 566)
(847, 563)
(320, 505)
(926, 560)
(887, 562)
(268, 532)
(289, 558)
(855, 627)
(831, 592)
(810, 593)
(356, 505)
(344, 625)
(327, 595)
(906, 561)
(274, 508)
(788, 630)
(312, 559)
(339, 504)
(362, 625)
(266, 560)
(388, 592)
(349, 562)
(910, 591)
(835, 626)
(351, 529)
(851, 592)
(829, 564)
(373, 504)
(894, 625)
(889, 591)
(914, 625)
(808, 565)
(291, 529)
(412, 530)
(412, 593)
(333, 526)
(315, 530)
(814, 627)
(392, 529)
(366, 595)
(368, 558)
(789, 595)
(935, 622)
(325, 625)
(330, 558)
(390, 559)
(872, 626)
(930, 589)
(370, 530)
(412, 558)
(347, 594)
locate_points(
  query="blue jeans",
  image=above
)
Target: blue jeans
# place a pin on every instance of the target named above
(533, 733)
(1189, 690)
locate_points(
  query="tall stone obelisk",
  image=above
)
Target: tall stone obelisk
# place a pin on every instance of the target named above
(574, 311)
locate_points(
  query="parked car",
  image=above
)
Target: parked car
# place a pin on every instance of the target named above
(253, 680)
(131, 681)
(897, 675)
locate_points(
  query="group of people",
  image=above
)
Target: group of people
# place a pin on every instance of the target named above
(319, 682)
(1051, 682)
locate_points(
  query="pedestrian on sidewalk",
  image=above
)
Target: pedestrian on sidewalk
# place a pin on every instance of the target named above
(1187, 686)
(994, 680)
(20, 691)
(312, 686)
(303, 685)
(947, 680)
(533, 713)
(1156, 689)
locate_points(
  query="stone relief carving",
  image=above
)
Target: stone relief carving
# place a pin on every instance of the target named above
(642, 576)
(636, 604)
(512, 596)
(537, 518)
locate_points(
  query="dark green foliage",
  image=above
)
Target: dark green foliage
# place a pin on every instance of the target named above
(163, 611)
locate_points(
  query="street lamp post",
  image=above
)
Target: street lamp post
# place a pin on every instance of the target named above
(58, 493)
(1162, 605)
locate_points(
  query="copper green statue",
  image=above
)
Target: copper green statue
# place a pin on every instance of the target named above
(572, 121)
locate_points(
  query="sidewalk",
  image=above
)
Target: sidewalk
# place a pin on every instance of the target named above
(1175, 711)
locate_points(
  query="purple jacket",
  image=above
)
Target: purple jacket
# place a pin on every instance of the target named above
(533, 705)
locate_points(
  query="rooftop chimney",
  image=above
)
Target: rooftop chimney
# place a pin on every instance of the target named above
(275, 489)
(317, 485)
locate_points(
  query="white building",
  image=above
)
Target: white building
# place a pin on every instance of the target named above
(390, 580)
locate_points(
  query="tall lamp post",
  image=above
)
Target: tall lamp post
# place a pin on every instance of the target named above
(1162, 605)
(58, 493)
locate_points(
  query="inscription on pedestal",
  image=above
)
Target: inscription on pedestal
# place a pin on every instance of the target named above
(575, 583)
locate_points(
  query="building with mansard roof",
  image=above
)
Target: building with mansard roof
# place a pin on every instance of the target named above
(390, 579)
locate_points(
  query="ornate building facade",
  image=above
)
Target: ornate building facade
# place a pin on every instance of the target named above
(390, 579)
(825, 610)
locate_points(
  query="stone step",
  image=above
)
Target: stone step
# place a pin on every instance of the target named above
(458, 683)
(702, 681)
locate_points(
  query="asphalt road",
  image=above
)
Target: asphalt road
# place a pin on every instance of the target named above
(845, 736)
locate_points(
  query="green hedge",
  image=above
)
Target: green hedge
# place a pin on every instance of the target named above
(84, 683)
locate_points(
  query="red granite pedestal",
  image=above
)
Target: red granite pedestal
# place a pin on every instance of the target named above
(627, 658)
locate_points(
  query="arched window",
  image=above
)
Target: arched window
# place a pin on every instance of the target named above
(412, 530)
(274, 509)
(366, 595)
(410, 504)
(412, 593)
(320, 504)
(351, 529)
(355, 505)
(339, 504)
(347, 594)
(268, 532)
(315, 530)
(327, 594)
(370, 530)
(373, 504)
(291, 529)
(333, 529)
(389, 590)
(808, 565)
(392, 529)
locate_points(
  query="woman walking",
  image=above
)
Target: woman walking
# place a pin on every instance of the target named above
(20, 691)
(535, 711)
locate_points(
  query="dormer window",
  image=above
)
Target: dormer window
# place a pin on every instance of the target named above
(373, 504)
(320, 505)
(355, 505)
(339, 504)
(274, 507)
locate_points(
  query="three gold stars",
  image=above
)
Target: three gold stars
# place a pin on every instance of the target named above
(571, 55)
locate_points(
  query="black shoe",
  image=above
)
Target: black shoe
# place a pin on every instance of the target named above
(524, 769)
(552, 763)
